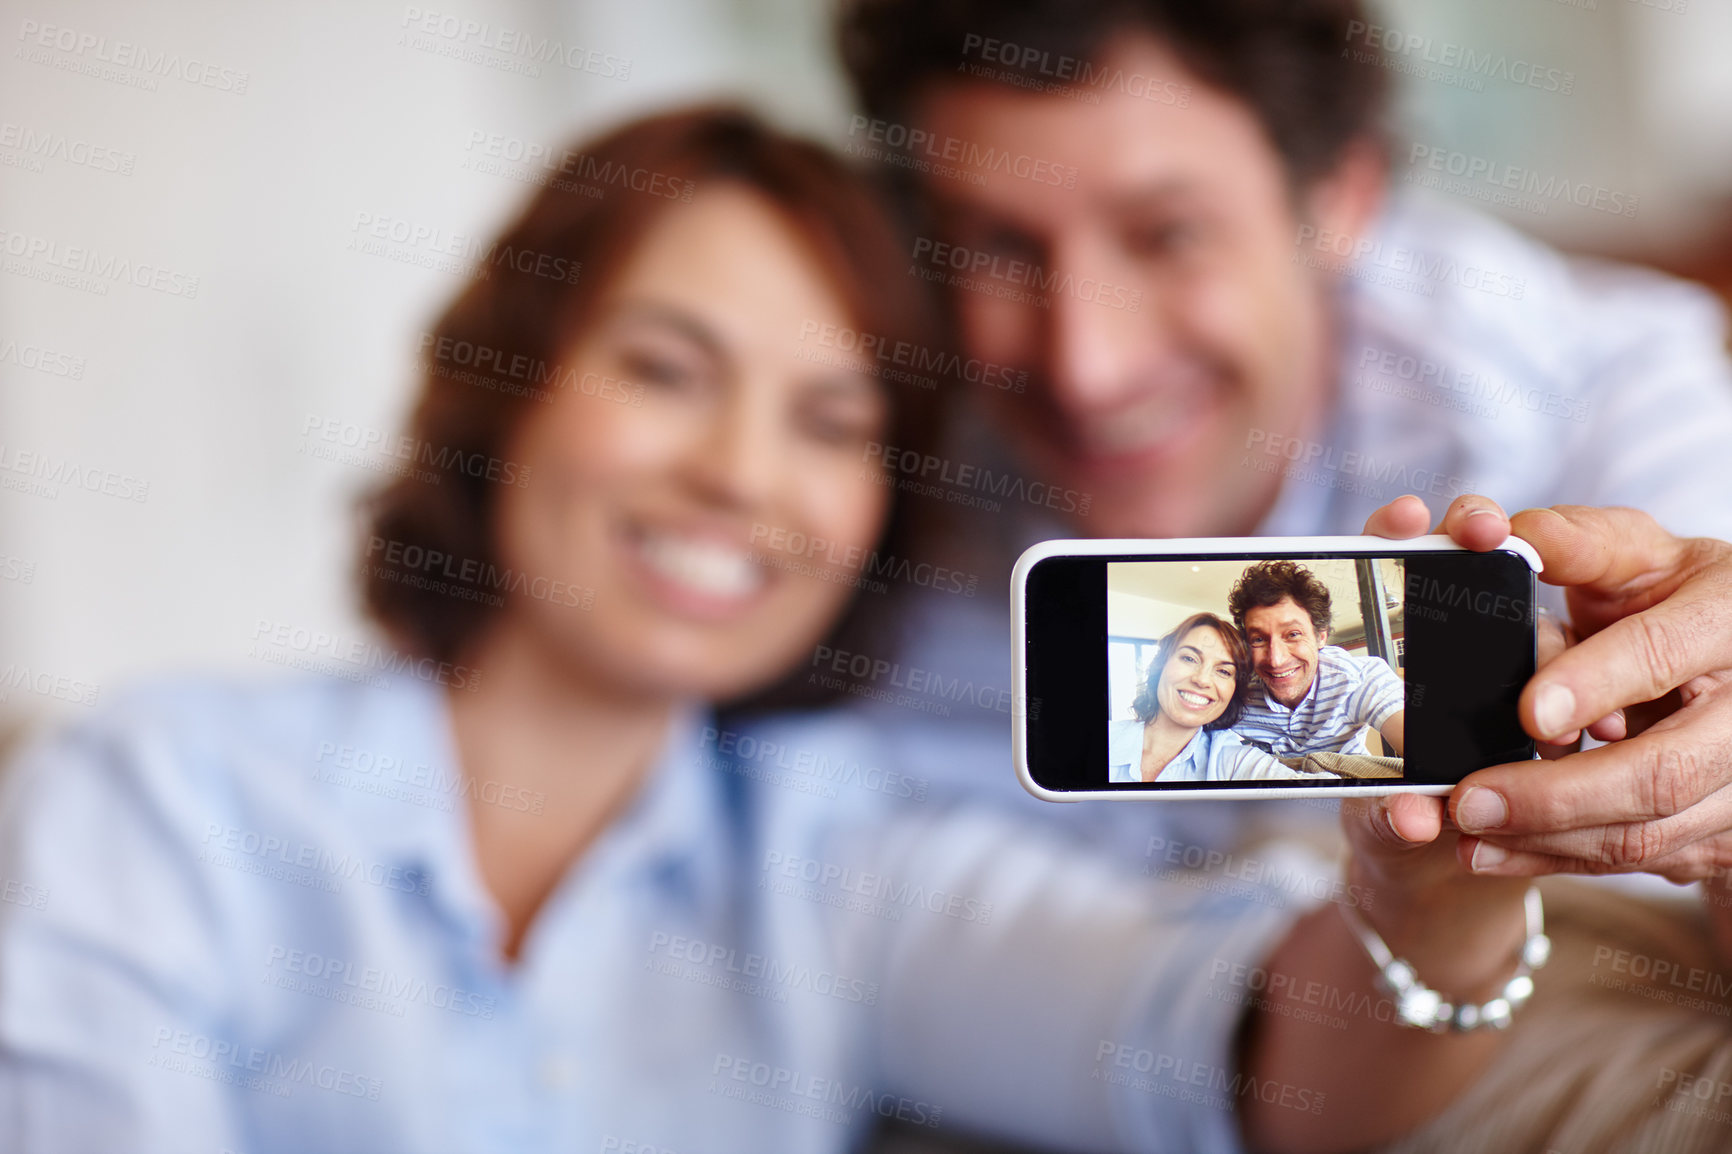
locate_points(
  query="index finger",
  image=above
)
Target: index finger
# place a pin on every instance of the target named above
(1605, 555)
(1475, 522)
(1670, 619)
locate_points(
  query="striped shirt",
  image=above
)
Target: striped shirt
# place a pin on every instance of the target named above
(1347, 694)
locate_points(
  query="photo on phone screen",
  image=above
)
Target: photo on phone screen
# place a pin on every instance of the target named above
(1264, 670)
(1309, 663)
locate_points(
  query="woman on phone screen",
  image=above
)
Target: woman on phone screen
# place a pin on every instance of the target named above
(1194, 692)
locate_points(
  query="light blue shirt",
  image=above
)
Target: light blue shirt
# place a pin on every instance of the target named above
(251, 919)
(1346, 694)
(1210, 755)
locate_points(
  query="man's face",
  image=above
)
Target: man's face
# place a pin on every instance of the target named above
(1176, 320)
(1284, 645)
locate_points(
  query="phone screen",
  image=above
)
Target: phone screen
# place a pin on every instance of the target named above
(1302, 671)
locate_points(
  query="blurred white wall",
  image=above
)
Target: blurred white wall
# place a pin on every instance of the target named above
(1632, 98)
(253, 183)
(345, 111)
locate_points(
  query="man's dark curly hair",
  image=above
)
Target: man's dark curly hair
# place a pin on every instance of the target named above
(1298, 65)
(1266, 582)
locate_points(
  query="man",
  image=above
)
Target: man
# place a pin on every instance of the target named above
(1177, 338)
(1311, 697)
(1138, 204)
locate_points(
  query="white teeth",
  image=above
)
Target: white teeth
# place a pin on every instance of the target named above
(1194, 700)
(1146, 425)
(705, 566)
(1155, 419)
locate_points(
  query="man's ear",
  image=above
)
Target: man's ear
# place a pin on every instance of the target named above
(1346, 199)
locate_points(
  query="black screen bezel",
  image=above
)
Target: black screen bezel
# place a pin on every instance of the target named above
(1472, 659)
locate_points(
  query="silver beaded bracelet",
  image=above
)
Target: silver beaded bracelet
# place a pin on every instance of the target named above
(1423, 1008)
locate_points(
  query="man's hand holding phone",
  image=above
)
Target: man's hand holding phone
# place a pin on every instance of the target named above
(1652, 677)
(1460, 927)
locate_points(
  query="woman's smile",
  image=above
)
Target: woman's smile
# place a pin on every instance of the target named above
(694, 571)
(1194, 699)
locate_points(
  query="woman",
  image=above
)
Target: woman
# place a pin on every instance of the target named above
(452, 909)
(1194, 692)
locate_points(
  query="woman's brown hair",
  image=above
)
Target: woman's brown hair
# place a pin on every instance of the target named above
(493, 356)
(1146, 705)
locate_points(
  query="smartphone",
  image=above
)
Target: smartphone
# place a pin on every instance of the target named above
(1265, 667)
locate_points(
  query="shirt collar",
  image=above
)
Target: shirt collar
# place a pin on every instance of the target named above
(1197, 747)
(672, 833)
(1127, 740)
(676, 832)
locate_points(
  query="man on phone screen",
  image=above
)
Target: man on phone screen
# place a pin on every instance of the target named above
(1310, 697)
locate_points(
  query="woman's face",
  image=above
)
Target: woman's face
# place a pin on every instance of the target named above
(663, 487)
(1198, 679)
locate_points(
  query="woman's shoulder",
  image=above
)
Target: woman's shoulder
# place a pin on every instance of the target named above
(1120, 734)
(207, 712)
(181, 831)
(192, 747)
(204, 705)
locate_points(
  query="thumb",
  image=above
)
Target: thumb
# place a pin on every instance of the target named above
(1396, 835)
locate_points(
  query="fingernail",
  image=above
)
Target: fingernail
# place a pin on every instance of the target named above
(1487, 856)
(1389, 824)
(1481, 809)
(1554, 707)
(1482, 513)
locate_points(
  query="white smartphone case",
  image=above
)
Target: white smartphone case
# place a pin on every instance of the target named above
(1191, 546)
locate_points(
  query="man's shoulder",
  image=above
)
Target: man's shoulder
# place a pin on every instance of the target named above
(1339, 655)
(1467, 276)
(1475, 358)
(1357, 665)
